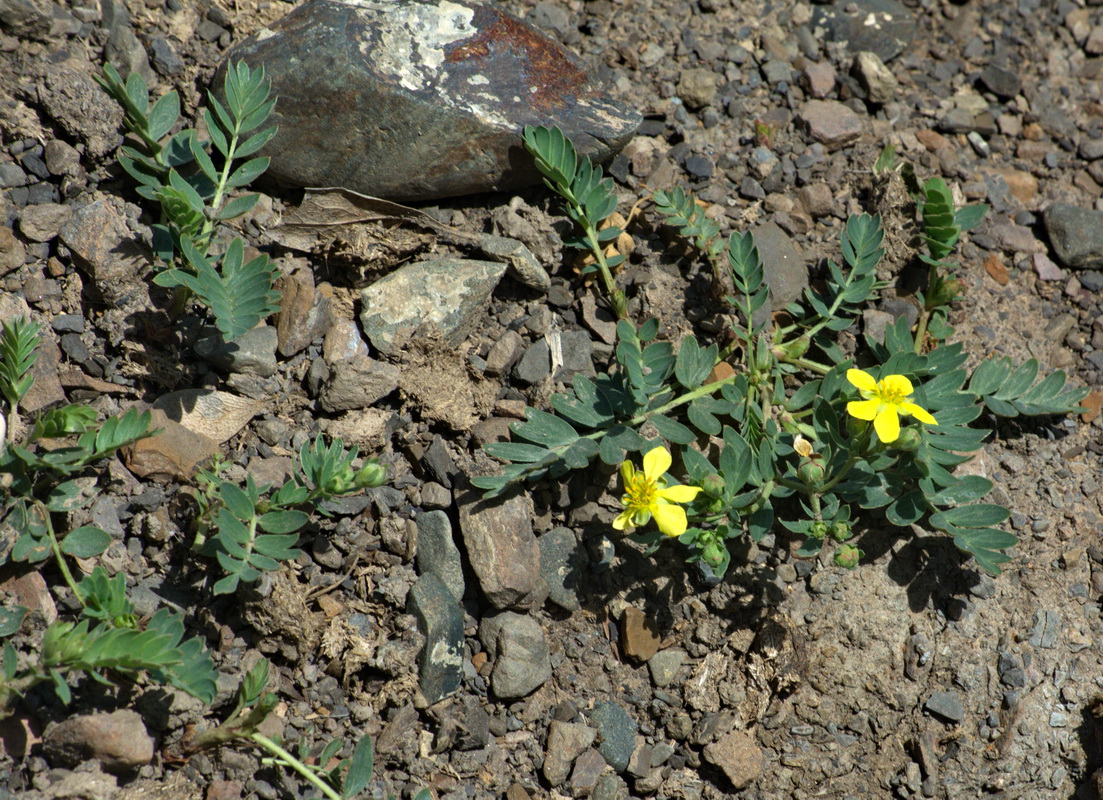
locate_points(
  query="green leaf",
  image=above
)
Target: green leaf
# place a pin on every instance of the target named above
(360, 768)
(247, 172)
(544, 428)
(255, 142)
(968, 490)
(672, 430)
(906, 509)
(968, 217)
(694, 362)
(978, 515)
(282, 521)
(86, 541)
(163, 115)
(203, 160)
(236, 501)
(238, 206)
(11, 620)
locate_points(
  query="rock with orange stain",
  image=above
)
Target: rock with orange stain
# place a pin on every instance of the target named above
(410, 100)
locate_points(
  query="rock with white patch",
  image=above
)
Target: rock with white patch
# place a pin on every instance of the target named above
(411, 100)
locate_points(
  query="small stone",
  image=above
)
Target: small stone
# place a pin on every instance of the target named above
(664, 666)
(1003, 82)
(946, 705)
(1046, 630)
(467, 78)
(68, 323)
(103, 245)
(118, 741)
(587, 770)
(440, 620)
(519, 648)
(12, 251)
(639, 636)
(1076, 235)
(599, 319)
(1046, 269)
(304, 313)
(81, 109)
(251, 353)
(817, 199)
(12, 176)
(173, 454)
(738, 755)
(163, 57)
(504, 353)
(358, 383)
(618, 734)
(786, 272)
(819, 77)
(30, 591)
(449, 294)
(697, 87)
(831, 123)
(62, 159)
(502, 549)
(535, 364)
(437, 552)
(575, 354)
(562, 564)
(566, 742)
(877, 79)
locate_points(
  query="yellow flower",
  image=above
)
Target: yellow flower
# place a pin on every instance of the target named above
(647, 495)
(884, 401)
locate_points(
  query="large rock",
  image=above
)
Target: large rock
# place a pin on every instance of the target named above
(421, 100)
(502, 549)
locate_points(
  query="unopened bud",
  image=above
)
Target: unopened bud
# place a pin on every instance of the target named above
(841, 531)
(371, 474)
(713, 485)
(848, 556)
(713, 554)
(818, 531)
(909, 440)
(811, 472)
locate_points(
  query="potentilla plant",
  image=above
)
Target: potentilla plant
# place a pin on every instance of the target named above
(792, 432)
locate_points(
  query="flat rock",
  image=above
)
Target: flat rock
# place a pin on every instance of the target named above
(618, 734)
(81, 109)
(566, 742)
(103, 245)
(517, 644)
(251, 353)
(437, 552)
(41, 223)
(440, 620)
(639, 636)
(449, 294)
(172, 454)
(562, 561)
(738, 755)
(664, 666)
(358, 383)
(831, 123)
(884, 27)
(784, 267)
(1076, 235)
(118, 741)
(421, 99)
(502, 549)
(304, 312)
(946, 705)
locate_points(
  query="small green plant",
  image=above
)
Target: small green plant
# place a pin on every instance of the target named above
(252, 530)
(792, 433)
(337, 781)
(181, 174)
(39, 485)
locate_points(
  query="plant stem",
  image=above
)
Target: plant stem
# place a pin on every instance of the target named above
(55, 546)
(616, 296)
(289, 760)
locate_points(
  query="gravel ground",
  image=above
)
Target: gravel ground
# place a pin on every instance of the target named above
(598, 672)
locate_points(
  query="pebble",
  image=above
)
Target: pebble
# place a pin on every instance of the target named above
(639, 635)
(41, 223)
(697, 87)
(573, 351)
(738, 755)
(450, 294)
(305, 313)
(438, 109)
(1001, 81)
(118, 741)
(618, 734)
(502, 549)
(946, 705)
(440, 620)
(504, 353)
(783, 263)
(437, 552)
(878, 81)
(819, 77)
(518, 646)
(251, 353)
(173, 454)
(884, 27)
(1046, 629)
(1076, 234)
(587, 770)
(103, 245)
(359, 382)
(562, 564)
(566, 742)
(535, 364)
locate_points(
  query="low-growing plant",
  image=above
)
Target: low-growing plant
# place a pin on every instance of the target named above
(44, 477)
(253, 529)
(782, 427)
(192, 179)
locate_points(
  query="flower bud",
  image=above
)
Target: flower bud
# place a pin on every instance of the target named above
(713, 485)
(811, 472)
(841, 531)
(848, 556)
(909, 440)
(795, 348)
(818, 530)
(371, 474)
(713, 554)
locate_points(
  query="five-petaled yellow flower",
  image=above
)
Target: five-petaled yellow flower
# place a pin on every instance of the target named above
(647, 495)
(884, 401)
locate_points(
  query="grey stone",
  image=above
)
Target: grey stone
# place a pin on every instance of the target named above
(523, 265)
(103, 245)
(535, 364)
(11, 176)
(553, 18)
(62, 158)
(440, 620)
(125, 51)
(1001, 81)
(1046, 629)
(576, 355)
(782, 262)
(1092, 280)
(587, 770)
(252, 353)
(831, 123)
(358, 383)
(118, 741)
(884, 27)
(1076, 235)
(664, 666)
(877, 79)
(697, 87)
(437, 552)
(68, 323)
(41, 223)
(875, 323)
(502, 549)
(164, 58)
(566, 742)
(448, 294)
(304, 313)
(562, 564)
(618, 733)
(503, 353)
(438, 108)
(946, 705)
(519, 648)
(439, 461)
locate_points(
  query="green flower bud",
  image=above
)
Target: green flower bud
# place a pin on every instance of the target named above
(713, 485)
(909, 440)
(811, 472)
(840, 531)
(371, 474)
(819, 530)
(713, 554)
(793, 349)
(848, 556)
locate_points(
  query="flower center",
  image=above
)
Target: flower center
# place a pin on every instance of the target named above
(889, 395)
(640, 491)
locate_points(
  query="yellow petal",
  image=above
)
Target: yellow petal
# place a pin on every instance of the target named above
(862, 380)
(655, 463)
(917, 412)
(679, 493)
(627, 471)
(897, 385)
(887, 425)
(623, 520)
(863, 409)
(671, 519)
